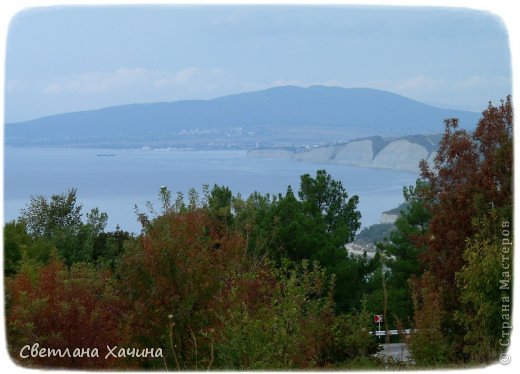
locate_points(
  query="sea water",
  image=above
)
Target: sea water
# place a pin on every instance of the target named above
(116, 180)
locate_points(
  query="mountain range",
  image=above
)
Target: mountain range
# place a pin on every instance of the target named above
(280, 116)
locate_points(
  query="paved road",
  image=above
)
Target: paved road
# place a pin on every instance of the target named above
(398, 351)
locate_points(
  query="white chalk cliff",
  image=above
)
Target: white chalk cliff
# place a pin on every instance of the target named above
(398, 154)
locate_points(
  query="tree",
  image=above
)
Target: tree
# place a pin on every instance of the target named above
(108, 247)
(61, 308)
(97, 221)
(407, 241)
(488, 258)
(316, 227)
(16, 240)
(318, 224)
(253, 218)
(296, 235)
(56, 222)
(220, 203)
(290, 327)
(178, 268)
(327, 201)
(471, 179)
(429, 345)
(43, 217)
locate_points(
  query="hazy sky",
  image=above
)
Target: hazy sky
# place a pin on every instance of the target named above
(76, 58)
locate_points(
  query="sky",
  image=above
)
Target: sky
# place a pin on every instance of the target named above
(63, 59)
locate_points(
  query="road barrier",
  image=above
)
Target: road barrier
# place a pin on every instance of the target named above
(391, 332)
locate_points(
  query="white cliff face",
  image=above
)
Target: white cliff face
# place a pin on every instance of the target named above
(388, 218)
(400, 154)
(320, 154)
(357, 153)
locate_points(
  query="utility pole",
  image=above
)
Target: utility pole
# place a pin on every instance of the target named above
(385, 297)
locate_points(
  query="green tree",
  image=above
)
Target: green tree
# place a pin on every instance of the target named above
(56, 222)
(428, 345)
(407, 241)
(296, 235)
(291, 329)
(43, 217)
(108, 247)
(316, 227)
(16, 240)
(253, 217)
(220, 203)
(327, 201)
(482, 296)
(350, 334)
(97, 221)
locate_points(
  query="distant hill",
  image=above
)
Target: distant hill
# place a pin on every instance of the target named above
(277, 116)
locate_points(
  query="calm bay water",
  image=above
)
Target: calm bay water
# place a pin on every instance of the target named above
(115, 184)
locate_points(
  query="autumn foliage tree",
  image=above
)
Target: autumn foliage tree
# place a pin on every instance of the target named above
(177, 270)
(470, 183)
(62, 308)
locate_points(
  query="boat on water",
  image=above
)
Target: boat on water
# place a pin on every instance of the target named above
(105, 155)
